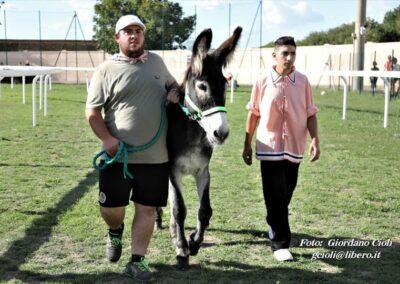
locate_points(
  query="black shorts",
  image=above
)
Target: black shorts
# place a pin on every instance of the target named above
(148, 187)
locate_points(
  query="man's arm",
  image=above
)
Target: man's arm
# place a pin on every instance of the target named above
(312, 126)
(96, 122)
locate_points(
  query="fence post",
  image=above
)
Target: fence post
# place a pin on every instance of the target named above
(387, 98)
(345, 91)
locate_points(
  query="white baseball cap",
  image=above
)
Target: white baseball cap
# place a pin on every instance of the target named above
(129, 20)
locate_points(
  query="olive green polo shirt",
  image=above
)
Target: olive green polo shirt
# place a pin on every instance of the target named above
(130, 96)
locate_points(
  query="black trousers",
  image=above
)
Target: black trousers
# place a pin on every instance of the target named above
(279, 179)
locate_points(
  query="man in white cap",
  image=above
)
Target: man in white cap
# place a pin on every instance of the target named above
(131, 90)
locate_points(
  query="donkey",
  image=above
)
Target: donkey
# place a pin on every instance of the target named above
(192, 133)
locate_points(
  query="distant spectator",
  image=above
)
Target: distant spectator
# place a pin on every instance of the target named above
(373, 80)
(27, 63)
(388, 67)
(394, 88)
(388, 64)
(229, 78)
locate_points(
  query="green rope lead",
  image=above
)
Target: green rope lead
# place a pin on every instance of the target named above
(124, 150)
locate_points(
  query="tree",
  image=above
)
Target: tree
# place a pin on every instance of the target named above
(338, 35)
(374, 31)
(343, 34)
(391, 26)
(166, 28)
(388, 31)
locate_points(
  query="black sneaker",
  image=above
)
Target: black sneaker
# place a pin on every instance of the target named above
(138, 270)
(114, 244)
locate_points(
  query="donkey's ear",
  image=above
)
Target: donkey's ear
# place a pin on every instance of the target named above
(224, 52)
(200, 48)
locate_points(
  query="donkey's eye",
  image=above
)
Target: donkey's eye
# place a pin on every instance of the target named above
(202, 87)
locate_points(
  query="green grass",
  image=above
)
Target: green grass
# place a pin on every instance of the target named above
(51, 230)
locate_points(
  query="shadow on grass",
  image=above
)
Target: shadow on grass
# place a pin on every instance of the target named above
(353, 259)
(35, 165)
(80, 102)
(326, 269)
(238, 272)
(107, 277)
(40, 230)
(331, 271)
(340, 109)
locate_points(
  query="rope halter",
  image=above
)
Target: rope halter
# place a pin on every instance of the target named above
(197, 114)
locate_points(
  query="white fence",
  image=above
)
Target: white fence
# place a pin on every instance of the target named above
(246, 65)
(44, 73)
(384, 75)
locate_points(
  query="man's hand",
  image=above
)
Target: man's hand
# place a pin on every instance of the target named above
(247, 155)
(110, 145)
(173, 96)
(314, 150)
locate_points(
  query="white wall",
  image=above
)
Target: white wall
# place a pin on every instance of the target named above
(246, 65)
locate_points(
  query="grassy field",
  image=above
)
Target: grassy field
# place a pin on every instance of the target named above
(51, 231)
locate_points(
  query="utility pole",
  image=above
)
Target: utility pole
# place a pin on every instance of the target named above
(40, 39)
(359, 41)
(5, 36)
(5, 31)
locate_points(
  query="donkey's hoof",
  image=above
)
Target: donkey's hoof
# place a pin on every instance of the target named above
(182, 263)
(194, 247)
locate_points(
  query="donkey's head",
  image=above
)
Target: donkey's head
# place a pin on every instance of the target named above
(205, 84)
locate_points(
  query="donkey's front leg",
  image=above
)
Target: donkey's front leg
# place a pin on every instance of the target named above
(205, 210)
(177, 223)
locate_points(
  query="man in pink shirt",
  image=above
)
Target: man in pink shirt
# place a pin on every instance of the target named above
(388, 64)
(282, 105)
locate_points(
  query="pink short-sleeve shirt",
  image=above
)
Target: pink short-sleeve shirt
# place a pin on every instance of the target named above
(283, 103)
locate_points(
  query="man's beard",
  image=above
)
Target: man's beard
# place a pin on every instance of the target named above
(135, 53)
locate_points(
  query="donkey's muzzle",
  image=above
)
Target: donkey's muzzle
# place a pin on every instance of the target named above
(221, 135)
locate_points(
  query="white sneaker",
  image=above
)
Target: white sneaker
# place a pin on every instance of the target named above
(283, 255)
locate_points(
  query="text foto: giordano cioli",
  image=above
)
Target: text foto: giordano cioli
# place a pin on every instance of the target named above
(345, 243)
